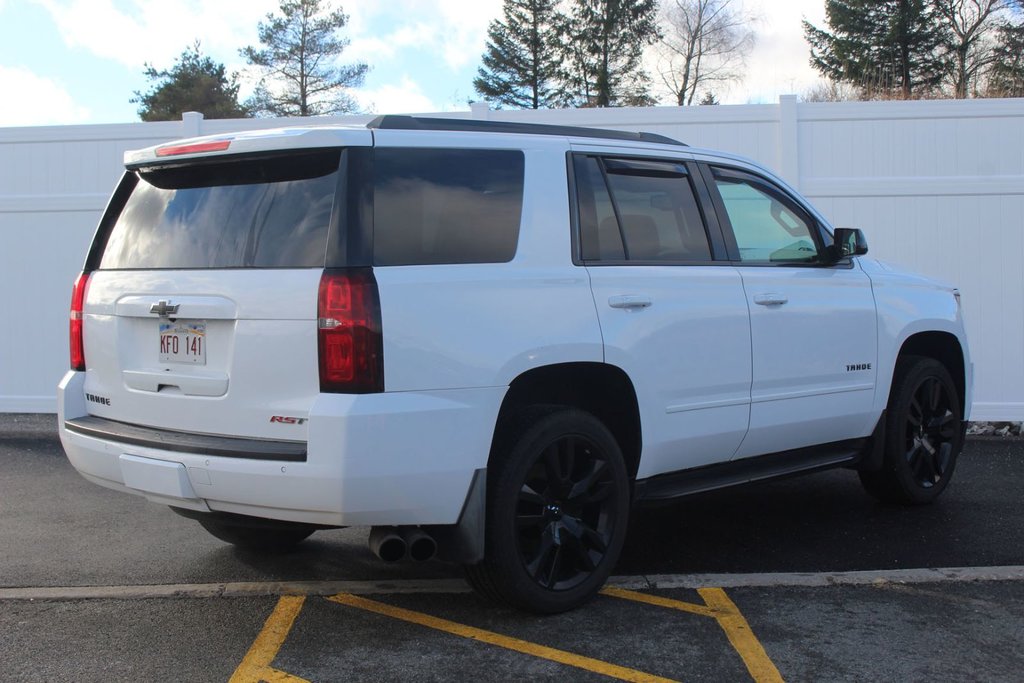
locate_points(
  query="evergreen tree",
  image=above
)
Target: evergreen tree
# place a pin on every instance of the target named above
(603, 43)
(194, 83)
(521, 66)
(300, 49)
(883, 47)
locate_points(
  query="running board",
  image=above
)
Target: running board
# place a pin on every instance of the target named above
(665, 487)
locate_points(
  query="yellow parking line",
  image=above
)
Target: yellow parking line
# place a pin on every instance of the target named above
(255, 667)
(702, 610)
(742, 638)
(507, 642)
(724, 611)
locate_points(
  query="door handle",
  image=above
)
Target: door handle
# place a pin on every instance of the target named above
(629, 301)
(770, 299)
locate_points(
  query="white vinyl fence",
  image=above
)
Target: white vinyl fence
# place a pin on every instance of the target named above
(937, 186)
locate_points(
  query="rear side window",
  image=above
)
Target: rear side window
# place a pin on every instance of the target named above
(271, 212)
(638, 210)
(446, 205)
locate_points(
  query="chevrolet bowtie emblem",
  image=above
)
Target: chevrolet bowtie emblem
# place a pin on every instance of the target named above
(164, 308)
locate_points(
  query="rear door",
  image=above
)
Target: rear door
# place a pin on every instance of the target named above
(671, 307)
(200, 312)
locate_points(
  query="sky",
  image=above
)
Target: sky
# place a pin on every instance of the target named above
(81, 61)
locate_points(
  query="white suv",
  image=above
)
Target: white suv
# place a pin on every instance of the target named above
(490, 340)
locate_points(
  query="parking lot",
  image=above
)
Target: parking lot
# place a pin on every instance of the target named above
(803, 579)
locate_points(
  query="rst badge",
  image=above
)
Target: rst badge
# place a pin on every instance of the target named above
(286, 420)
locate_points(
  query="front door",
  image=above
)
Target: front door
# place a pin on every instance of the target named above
(812, 325)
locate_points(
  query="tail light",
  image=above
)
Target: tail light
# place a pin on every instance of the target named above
(193, 148)
(349, 340)
(75, 324)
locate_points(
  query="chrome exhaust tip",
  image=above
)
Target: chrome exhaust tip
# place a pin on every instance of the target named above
(386, 542)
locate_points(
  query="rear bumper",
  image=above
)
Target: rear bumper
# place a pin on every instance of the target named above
(399, 458)
(186, 442)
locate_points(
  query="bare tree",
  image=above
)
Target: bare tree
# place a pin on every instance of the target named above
(970, 24)
(831, 91)
(704, 43)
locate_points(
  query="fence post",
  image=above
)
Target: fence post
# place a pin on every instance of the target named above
(480, 110)
(191, 124)
(789, 140)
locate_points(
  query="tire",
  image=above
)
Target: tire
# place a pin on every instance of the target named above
(265, 539)
(557, 510)
(922, 435)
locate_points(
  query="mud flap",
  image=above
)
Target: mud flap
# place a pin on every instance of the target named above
(463, 542)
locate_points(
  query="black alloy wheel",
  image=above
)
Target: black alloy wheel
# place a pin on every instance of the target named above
(557, 510)
(923, 435)
(566, 512)
(930, 432)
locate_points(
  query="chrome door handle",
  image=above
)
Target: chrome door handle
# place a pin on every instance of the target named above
(770, 299)
(629, 301)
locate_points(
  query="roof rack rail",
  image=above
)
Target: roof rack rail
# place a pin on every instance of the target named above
(402, 122)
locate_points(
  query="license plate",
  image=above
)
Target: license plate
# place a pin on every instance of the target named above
(183, 342)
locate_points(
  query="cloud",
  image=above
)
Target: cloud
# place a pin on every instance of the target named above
(377, 49)
(454, 30)
(370, 49)
(156, 31)
(405, 98)
(467, 23)
(40, 101)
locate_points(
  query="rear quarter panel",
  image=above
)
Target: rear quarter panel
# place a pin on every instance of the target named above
(480, 325)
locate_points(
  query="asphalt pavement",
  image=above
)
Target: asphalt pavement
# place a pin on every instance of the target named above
(787, 607)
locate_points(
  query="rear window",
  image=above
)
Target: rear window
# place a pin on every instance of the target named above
(446, 205)
(271, 212)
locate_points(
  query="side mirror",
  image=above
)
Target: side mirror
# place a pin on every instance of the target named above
(848, 242)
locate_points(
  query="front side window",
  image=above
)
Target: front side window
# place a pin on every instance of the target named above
(637, 210)
(434, 206)
(768, 227)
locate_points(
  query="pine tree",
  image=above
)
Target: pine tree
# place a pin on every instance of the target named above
(194, 83)
(603, 43)
(521, 66)
(883, 47)
(299, 50)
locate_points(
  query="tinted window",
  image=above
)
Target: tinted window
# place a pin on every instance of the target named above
(767, 226)
(599, 228)
(258, 213)
(655, 214)
(446, 205)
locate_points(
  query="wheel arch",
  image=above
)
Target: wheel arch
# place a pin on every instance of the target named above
(601, 389)
(945, 348)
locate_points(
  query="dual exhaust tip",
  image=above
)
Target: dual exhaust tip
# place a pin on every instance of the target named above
(393, 543)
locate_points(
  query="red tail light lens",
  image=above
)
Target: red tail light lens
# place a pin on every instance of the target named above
(75, 325)
(349, 332)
